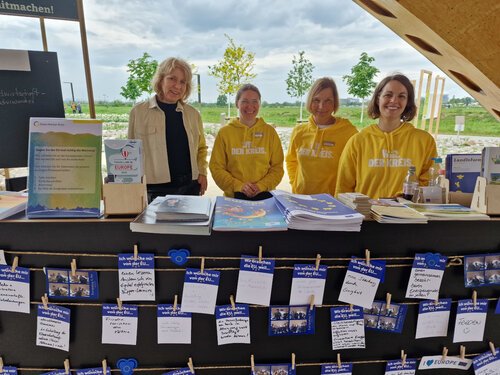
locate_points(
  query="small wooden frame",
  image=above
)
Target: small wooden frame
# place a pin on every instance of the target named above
(124, 199)
(486, 198)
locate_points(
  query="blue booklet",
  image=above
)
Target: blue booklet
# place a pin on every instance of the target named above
(240, 215)
(462, 170)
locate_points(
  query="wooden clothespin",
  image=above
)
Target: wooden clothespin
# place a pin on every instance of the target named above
(462, 352)
(436, 302)
(175, 303)
(73, 267)
(318, 259)
(474, 298)
(190, 365)
(1, 364)
(104, 366)
(403, 357)
(67, 370)
(351, 307)
(119, 302)
(260, 254)
(14, 264)
(339, 363)
(311, 306)
(231, 298)
(445, 353)
(202, 269)
(367, 256)
(492, 347)
(45, 300)
(293, 361)
(388, 301)
(136, 252)
(252, 364)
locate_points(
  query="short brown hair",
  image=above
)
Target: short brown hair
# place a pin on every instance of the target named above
(319, 85)
(411, 108)
(165, 68)
(246, 87)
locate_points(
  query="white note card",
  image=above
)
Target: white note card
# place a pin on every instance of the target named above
(308, 281)
(52, 327)
(15, 289)
(348, 328)
(255, 281)
(233, 324)
(174, 326)
(433, 318)
(487, 363)
(2, 258)
(119, 326)
(136, 277)
(426, 276)
(471, 320)
(199, 293)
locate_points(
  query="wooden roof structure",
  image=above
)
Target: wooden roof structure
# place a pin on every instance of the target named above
(461, 37)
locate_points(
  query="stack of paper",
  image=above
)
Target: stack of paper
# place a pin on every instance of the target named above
(356, 201)
(12, 202)
(447, 211)
(184, 208)
(317, 212)
(389, 211)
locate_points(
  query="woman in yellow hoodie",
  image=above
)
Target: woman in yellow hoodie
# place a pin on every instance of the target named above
(247, 157)
(315, 147)
(375, 162)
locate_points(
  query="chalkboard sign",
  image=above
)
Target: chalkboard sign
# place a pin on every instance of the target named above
(25, 94)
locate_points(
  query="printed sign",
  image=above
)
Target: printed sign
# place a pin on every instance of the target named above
(255, 281)
(437, 361)
(136, 277)
(426, 276)
(308, 281)
(291, 320)
(174, 327)
(56, 9)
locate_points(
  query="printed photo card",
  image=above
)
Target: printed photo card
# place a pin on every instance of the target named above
(62, 284)
(482, 270)
(281, 369)
(291, 320)
(379, 317)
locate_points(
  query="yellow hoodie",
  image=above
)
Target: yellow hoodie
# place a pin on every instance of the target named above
(376, 163)
(242, 154)
(313, 155)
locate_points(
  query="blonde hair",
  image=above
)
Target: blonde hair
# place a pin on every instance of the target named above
(319, 85)
(165, 68)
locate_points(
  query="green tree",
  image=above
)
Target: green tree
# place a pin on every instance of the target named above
(299, 78)
(233, 70)
(467, 101)
(360, 82)
(221, 100)
(141, 72)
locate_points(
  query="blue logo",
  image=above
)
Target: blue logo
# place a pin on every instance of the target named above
(430, 362)
(127, 366)
(179, 257)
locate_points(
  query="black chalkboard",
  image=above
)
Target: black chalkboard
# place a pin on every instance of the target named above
(36, 93)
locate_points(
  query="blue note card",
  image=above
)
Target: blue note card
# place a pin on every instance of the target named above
(344, 369)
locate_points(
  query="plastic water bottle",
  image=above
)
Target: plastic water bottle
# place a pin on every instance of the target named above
(434, 171)
(410, 185)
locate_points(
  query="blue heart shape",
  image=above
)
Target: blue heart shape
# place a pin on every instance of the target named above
(432, 260)
(179, 257)
(430, 362)
(127, 366)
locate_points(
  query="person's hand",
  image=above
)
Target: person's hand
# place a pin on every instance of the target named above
(202, 180)
(250, 189)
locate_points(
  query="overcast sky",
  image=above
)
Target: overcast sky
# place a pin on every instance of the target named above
(333, 34)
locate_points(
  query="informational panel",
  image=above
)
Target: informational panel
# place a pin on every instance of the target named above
(32, 91)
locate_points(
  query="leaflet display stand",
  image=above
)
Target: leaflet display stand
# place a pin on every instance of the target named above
(486, 197)
(124, 199)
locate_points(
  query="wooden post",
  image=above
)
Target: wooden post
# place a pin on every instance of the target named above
(86, 60)
(442, 79)
(44, 35)
(427, 92)
(433, 106)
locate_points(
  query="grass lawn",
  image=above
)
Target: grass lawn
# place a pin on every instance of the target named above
(477, 120)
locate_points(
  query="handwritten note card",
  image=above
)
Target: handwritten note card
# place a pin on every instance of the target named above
(433, 318)
(56, 372)
(174, 327)
(397, 368)
(9, 371)
(2, 258)
(200, 291)
(52, 330)
(426, 276)
(119, 326)
(233, 325)
(471, 320)
(361, 282)
(436, 361)
(137, 277)
(344, 369)
(182, 371)
(255, 281)
(93, 371)
(307, 281)
(348, 329)
(15, 289)
(487, 363)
